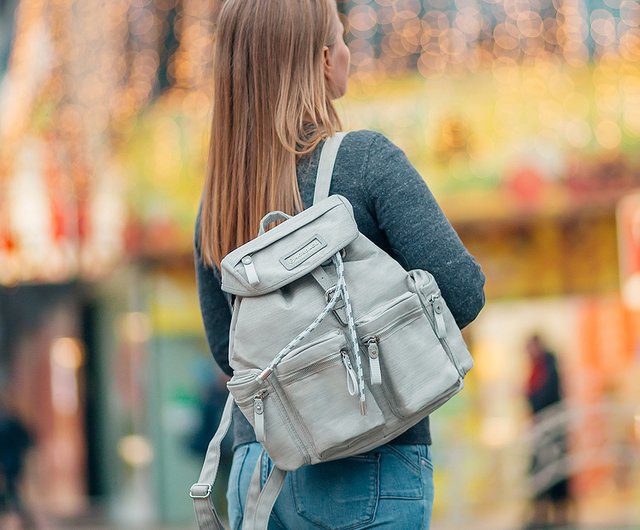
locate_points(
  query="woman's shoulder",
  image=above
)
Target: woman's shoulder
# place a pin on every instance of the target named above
(374, 146)
(375, 151)
(367, 138)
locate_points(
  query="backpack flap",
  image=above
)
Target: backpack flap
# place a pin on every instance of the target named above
(291, 249)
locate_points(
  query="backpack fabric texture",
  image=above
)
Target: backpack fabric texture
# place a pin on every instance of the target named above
(336, 349)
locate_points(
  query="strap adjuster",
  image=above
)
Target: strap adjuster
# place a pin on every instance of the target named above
(200, 491)
(328, 294)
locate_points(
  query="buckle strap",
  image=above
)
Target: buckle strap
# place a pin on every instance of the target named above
(200, 491)
(259, 502)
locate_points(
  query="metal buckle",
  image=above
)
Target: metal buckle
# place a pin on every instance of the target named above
(328, 294)
(196, 493)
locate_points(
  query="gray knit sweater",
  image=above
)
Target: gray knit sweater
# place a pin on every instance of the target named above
(395, 209)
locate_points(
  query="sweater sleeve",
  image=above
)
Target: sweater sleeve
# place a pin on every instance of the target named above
(214, 307)
(418, 232)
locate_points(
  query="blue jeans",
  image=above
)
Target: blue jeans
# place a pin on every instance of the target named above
(389, 487)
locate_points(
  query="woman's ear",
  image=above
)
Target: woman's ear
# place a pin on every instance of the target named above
(328, 63)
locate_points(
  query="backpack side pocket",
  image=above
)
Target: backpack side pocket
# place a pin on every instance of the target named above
(417, 373)
(262, 406)
(442, 320)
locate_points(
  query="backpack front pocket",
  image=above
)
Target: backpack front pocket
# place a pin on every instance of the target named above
(319, 386)
(416, 371)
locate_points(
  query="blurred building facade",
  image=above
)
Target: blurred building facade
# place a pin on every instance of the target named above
(101, 161)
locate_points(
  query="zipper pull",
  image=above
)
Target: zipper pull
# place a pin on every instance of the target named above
(250, 269)
(258, 414)
(374, 360)
(352, 380)
(438, 313)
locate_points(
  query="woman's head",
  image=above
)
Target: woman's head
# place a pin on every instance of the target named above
(277, 66)
(336, 61)
(282, 59)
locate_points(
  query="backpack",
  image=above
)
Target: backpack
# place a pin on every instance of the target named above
(335, 348)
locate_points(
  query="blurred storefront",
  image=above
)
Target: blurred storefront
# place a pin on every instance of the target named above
(101, 346)
(100, 175)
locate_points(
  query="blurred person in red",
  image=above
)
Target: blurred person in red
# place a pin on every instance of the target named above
(15, 440)
(551, 498)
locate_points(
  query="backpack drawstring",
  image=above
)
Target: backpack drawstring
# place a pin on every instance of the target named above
(342, 286)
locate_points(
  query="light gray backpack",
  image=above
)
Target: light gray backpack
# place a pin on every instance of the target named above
(335, 347)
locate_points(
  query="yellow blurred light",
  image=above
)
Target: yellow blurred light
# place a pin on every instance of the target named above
(630, 45)
(632, 116)
(608, 134)
(498, 432)
(135, 450)
(135, 327)
(67, 352)
(631, 292)
(577, 133)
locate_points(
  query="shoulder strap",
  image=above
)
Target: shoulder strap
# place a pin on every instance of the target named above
(259, 501)
(201, 491)
(325, 166)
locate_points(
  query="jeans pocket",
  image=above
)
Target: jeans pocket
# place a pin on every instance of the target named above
(340, 494)
(426, 459)
(400, 471)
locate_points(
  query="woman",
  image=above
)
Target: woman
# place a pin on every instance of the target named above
(278, 66)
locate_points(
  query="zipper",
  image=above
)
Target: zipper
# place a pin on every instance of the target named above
(327, 337)
(365, 319)
(373, 349)
(259, 427)
(258, 414)
(438, 310)
(373, 353)
(371, 342)
(374, 360)
(352, 380)
(381, 332)
(436, 319)
(305, 371)
(323, 364)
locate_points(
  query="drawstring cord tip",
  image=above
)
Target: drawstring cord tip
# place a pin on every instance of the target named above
(263, 376)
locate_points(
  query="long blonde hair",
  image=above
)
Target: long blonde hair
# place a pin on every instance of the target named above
(271, 106)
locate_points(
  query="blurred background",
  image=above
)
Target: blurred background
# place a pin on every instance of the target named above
(523, 116)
